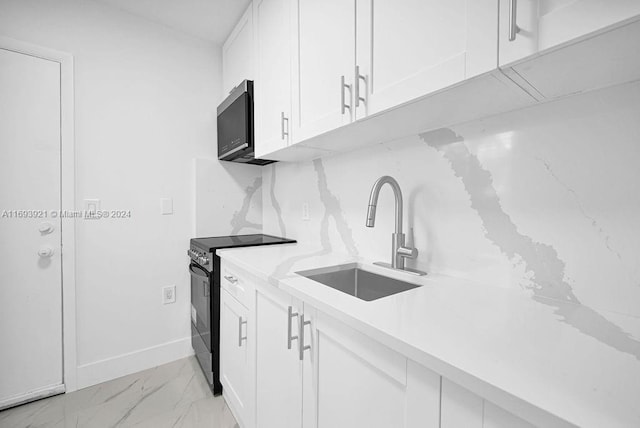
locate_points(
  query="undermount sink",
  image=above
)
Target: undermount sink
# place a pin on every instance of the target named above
(353, 280)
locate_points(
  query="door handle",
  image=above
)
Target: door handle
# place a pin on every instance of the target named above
(46, 228)
(513, 14)
(290, 338)
(284, 133)
(46, 251)
(356, 85)
(343, 105)
(301, 346)
(240, 336)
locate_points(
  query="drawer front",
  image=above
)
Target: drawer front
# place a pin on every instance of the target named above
(235, 282)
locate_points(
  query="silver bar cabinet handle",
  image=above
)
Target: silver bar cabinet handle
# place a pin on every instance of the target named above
(240, 337)
(283, 133)
(290, 338)
(343, 105)
(301, 346)
(513, 14)
(357, 96)
(232, 279)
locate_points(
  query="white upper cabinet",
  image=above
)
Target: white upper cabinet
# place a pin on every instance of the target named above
(411, 48)
(324, 58)
(553, 48)
(237, 54)
(531, 26)
(273, 81)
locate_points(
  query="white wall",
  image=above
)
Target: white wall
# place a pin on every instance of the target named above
(545, 200)
(145, 99)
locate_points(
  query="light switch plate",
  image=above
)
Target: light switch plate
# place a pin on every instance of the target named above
(305, 211)
(166, 206)
(91, 208)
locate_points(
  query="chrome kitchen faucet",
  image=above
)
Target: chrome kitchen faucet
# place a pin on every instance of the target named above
(398, 250)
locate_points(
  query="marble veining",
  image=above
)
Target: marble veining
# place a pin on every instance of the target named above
(172, 395)
(592, 220)
(275, 203)
(332, 209)
(239, 220)
(549, 285)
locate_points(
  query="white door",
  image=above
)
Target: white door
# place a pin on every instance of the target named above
(543, 24)
(234, 355)
(273, 82)
(278, 368)
(30, 238)
(414, 47)
(324, 55)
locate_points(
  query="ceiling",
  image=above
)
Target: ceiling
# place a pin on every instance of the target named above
(211, 20)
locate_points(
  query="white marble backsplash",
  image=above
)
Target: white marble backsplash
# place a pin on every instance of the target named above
(545, 200)
(228, 198)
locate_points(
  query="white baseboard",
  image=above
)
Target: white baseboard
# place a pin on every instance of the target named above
(46, 391)
(132, 362)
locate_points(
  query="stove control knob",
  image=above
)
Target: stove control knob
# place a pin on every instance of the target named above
(205, 260)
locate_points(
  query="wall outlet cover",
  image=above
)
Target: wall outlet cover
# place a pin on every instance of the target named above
(168, 294)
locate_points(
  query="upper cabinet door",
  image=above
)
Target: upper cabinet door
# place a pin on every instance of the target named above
(414, 47)
(324, 58)
(273, 82)
(531, 26)
(237, 54)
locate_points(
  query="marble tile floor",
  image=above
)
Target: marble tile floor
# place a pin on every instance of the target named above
(171, 395)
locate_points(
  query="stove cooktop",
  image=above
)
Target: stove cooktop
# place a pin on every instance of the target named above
(213, 243)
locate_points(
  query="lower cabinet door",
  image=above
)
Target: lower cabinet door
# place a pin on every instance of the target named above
(460, 407)
(359, 382)
(235, 340)
(278, 367)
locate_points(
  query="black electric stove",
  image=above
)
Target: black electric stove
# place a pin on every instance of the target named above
(205, 296)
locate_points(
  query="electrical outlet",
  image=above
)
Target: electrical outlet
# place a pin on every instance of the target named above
(305, 211)
(168, 294)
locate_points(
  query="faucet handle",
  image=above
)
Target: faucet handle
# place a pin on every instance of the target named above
(408, 252)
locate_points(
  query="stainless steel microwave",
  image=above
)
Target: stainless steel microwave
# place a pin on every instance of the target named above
(235, 126)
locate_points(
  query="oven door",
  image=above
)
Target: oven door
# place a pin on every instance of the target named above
(201, 302)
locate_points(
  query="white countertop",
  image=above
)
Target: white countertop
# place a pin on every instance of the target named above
(498, 343)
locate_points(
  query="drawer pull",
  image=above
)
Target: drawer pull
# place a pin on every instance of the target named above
(290, 338)
(513, 14)
(301, 346)
(232, 279)
(343, 105)
(356, 84)
(240, 336)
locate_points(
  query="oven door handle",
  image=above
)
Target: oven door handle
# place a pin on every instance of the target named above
(206, 274)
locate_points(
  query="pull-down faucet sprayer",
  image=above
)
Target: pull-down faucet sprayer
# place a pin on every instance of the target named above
(398, 251)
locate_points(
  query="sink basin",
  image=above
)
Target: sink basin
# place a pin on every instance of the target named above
(353, 280)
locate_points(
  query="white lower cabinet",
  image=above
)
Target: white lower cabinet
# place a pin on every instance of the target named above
(278, 382)
(286, 364)
(236, 341)
(358, 382)
(462, 408)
